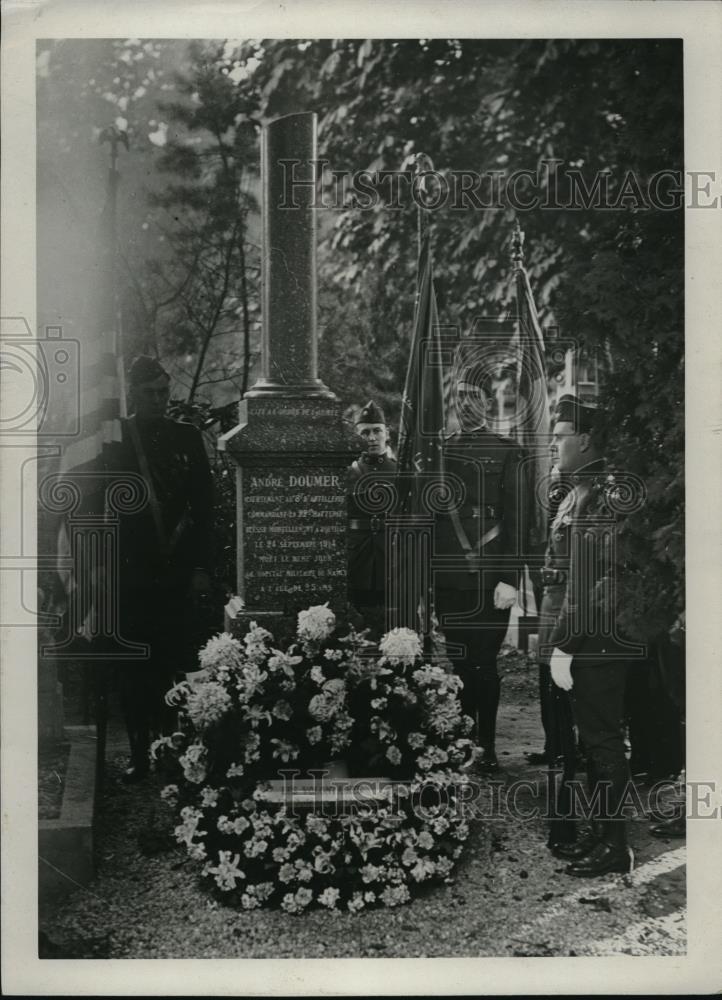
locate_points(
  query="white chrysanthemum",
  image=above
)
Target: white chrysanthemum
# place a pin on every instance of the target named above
(209, 797)
(282, 710)
(425, 868)
(193, 763)
(315, 624)
(335, 689)
(426, 840)
(329, 897)
(395, 895)
(207, 703)
(401, 645)
(289, 903)
(321, 708)
(222, 652)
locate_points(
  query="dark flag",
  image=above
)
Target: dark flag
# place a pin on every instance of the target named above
(531, 425)
(420, 455)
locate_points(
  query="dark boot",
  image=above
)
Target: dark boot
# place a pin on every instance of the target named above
(563, 819)
(605, 858)
(612, 853)
(565, 840)
(675, 826)
(139, 764)
(580, 848)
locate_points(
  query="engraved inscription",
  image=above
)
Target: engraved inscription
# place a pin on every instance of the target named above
(294, 530)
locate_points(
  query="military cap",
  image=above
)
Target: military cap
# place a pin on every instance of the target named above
(146, 369)
(570, 409)
(371, 414)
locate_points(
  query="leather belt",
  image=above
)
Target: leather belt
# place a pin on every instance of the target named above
(550, 577)
(366, 523)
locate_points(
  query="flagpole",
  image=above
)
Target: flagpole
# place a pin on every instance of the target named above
(115, 137)
(517, 248)
(424, 165)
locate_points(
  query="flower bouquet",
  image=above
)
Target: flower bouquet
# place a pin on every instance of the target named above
(254, 712)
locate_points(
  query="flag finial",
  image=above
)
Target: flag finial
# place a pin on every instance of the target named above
(517, 246)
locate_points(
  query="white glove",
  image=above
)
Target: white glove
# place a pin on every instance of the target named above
(561, 664)
(504, 596)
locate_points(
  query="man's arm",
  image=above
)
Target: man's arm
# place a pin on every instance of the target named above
(575, 617)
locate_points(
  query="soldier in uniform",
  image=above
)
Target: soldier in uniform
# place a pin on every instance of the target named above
(480, 546)
(164, 553)
(587, 658)
(366, 531)
(557, 717)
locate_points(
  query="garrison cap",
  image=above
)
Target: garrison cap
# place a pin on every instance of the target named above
(371, 414)
(146, 369)
(571, 410)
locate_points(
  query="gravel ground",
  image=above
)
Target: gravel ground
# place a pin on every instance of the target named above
(510, 896)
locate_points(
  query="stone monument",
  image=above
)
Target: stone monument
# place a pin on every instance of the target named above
(291, 446)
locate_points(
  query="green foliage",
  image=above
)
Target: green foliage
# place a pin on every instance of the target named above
(208, 165)
(610, 279)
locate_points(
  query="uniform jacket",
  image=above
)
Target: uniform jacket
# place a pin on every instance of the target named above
(181, 476)
(366, 532)
(492, 511)
(582, 549)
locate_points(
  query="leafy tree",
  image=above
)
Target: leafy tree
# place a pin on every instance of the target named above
(207, 283)
(611, 279)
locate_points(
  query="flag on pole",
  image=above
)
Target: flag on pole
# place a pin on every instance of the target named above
(532, 424)
(420, 454)
(422, 408)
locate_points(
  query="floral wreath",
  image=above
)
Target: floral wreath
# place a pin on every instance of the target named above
(254, 712)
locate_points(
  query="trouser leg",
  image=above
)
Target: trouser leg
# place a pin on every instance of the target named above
(546, 707)
(563, 826)
(134, 703)
(598, 699)
(488, 697)
(473, 644)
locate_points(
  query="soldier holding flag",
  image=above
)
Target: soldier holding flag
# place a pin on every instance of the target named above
(481, 541)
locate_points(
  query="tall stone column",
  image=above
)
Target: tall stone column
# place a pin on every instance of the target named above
(292, 446)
